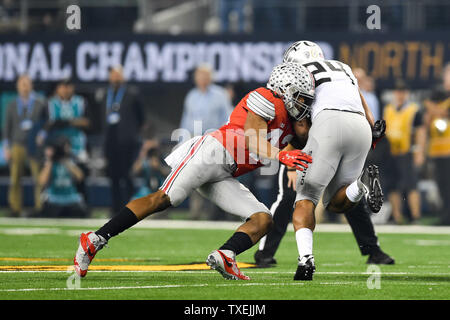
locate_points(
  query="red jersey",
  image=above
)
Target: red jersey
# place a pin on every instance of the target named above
(270, 107)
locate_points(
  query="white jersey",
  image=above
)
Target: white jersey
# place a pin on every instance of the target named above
(336, 87)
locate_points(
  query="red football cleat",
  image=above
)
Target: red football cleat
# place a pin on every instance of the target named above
(90, 244)
(225, 265)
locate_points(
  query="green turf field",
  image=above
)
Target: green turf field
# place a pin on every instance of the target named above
(422, 269)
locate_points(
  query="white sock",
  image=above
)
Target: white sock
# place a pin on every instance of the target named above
(262, 243)
(304, 237)
(353, 192)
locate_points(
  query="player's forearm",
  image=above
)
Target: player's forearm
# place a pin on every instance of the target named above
(259, 145)
(368, 112)
(289, 147)
(255, 131)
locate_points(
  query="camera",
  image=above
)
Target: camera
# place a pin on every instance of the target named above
(60, 146)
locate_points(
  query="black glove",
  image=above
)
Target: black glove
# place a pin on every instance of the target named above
(378, 132)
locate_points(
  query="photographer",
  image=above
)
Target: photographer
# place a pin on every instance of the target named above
(60, 176)
(149, 168)
(69, 116)
(437, 120)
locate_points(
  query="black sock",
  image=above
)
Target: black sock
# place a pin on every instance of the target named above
(122, 221)
(239, 242)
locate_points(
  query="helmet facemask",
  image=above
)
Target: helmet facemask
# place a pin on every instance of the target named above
(295, 84)
(297, 104)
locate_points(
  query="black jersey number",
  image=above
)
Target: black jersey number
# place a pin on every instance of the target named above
(321, 69)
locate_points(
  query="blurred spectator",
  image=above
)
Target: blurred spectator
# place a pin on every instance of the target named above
(123, 120)
(226, 7)
(367, 86)
(24, 119)
(148, 166)
(437, 119)
(207, 104)
(407, 137)
(206, 108)
(60, 176)
(69, 116)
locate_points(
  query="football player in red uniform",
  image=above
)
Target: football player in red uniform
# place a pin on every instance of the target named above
(259, 129)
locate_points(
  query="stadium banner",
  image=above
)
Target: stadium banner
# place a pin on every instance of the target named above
(417, 58)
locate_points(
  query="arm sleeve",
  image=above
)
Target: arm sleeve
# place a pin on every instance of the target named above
(260, 105)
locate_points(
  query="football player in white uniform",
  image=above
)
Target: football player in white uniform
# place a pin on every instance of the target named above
(339, 139)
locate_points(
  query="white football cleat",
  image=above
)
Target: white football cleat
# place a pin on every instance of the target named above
(225, 265)
(90, 244)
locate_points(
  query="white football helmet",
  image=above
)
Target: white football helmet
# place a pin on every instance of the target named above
(303, 52)
(292, 81)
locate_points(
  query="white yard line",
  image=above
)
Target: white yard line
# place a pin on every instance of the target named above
(155, 287)
(247, 271)
(170, 286)
(103, 288)
(221, 225)
(428, 243)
